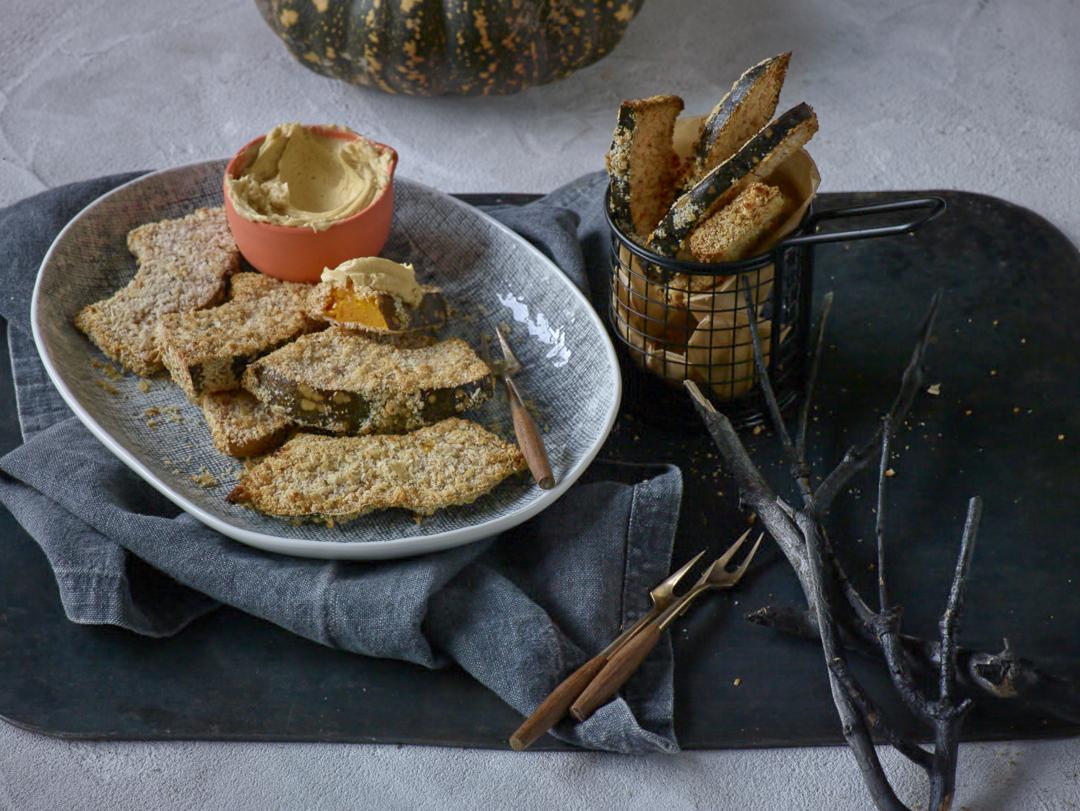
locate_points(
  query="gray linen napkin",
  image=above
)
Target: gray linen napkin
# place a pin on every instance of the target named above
(517, 612)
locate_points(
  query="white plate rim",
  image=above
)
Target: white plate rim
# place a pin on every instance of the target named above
(335, 550)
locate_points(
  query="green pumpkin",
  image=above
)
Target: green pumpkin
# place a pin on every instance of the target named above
(437, 47)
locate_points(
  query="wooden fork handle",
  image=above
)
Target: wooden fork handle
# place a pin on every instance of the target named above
(554, 707)
(620, 666)
(528, 437)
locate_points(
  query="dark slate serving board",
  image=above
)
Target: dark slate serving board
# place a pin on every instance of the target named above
(1006, 353)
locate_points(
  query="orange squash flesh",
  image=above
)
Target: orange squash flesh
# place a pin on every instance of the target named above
(347, 307)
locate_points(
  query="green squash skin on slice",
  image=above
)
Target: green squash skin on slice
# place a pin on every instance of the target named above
(796, 126)
(766, 77)
(619, 199)
(218, 374)
(345, 412)
(642, 161)
(430, 313)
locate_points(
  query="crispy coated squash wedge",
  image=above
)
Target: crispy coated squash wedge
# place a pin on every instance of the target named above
(346, 383)
(747, 107)
(642, 164)
(755, 160)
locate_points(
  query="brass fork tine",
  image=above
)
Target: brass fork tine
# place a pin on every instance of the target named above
(510, 362)
(570, 689)
(624, 661)
(725, 558)
(676, 576)
(662, 595)
(736, 576)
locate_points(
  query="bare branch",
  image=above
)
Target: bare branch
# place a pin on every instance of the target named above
(801, 536)
(853, 723)
(765, 384)
(888, 619)
(943, 769)
(884, 604)
(955, 602)
(857, 458)
(811, 379)
(909, 749)
(754, 491)
(1000, 676)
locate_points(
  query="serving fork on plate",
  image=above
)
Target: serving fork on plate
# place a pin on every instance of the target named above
(528, 434)
(596, 681)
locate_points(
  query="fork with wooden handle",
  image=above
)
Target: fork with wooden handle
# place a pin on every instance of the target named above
(554, 707)
(628, 658)
(528, 435)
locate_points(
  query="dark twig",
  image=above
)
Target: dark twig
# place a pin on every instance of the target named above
(799, 466)
(754, 491)
(951, 616)
(888, 618)
(811, 378)
(947, 716)
(912, 751)
(857, 458)
(999, 676)
(884, 604)
(801, 536)
(856, 719)
(803, 551)
(853, 723)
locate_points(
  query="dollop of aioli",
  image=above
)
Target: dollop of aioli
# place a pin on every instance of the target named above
(299, 177)
(377, 273)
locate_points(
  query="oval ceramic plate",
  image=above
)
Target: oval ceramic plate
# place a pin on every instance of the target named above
(490, 275)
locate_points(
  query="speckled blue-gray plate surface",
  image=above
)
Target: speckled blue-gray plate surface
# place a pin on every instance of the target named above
(490, 276)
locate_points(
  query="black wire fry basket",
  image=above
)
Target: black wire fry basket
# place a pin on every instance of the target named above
(679, 320)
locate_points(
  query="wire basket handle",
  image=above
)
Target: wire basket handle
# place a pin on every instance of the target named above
(933, 207)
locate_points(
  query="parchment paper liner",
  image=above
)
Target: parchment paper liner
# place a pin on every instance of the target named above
(731, 372)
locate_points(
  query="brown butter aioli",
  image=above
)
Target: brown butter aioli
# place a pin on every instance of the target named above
(306, 179)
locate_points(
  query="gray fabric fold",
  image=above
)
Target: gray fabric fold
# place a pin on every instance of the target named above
(518, 612)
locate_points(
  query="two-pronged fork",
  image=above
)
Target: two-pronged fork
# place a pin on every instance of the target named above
(599, 679)
(622, 664)
(554, 707)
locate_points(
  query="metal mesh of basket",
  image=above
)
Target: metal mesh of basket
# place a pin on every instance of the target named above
(679, 320)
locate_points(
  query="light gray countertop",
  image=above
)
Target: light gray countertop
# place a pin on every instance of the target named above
(981, 96)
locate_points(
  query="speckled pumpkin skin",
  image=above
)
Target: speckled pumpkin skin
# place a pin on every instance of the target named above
(439, 47)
